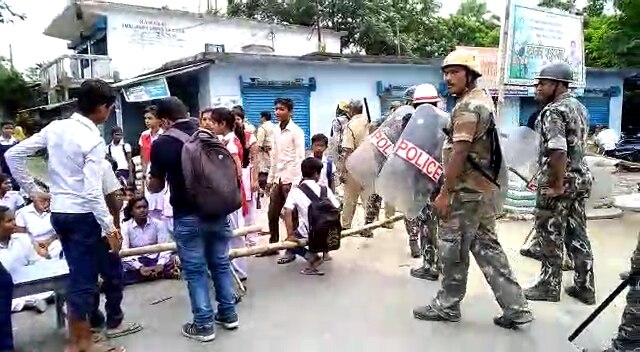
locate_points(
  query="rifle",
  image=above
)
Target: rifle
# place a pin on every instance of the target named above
(474, 164)
(366, 107)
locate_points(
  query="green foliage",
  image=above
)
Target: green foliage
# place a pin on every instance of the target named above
(7, 15)
(15, 93)
(564, 5)
(625, 37)
(383, 27)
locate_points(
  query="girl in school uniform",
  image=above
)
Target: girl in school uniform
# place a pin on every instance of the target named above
(249, 174)
(9, 198)
(221, 122)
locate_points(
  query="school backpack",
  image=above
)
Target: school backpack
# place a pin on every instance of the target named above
(324, 221)
(211, 179)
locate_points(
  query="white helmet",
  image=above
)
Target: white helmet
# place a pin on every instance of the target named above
(425, 93)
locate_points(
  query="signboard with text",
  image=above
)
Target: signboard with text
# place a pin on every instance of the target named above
(488, 58)
(145, 91)
(540, 36)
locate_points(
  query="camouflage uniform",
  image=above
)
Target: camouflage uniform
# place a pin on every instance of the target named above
(628, 338)
(372, 209)
(471, 224)
(338, 126)
(424, 228)
(533, 249)
(562, 220)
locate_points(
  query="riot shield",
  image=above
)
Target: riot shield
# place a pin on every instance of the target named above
(521, 147)
(412, 172)
(365, 162)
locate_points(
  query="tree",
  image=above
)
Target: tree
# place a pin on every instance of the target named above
(7, 15)
(624, 37)
(32, 74)
(564, 5)
(15, 93)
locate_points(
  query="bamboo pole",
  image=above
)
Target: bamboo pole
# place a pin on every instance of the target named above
(619, 161)
(249, 251)
(171, 246)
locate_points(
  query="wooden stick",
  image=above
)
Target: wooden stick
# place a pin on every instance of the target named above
(249, 251)
(620, 161)
(171, 246)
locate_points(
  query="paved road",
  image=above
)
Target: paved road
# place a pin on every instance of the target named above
(364, 304)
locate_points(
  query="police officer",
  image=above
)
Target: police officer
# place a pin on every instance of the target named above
(423, 229)
(564, 183)
(628, 337)
(466, 203)
(338, 126)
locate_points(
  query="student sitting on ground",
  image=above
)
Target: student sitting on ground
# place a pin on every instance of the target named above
(35, 220)
(9, 198)
(138, 230)
(297, 200)
(17, 250)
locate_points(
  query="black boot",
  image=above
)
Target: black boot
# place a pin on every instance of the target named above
(513, 322)
(532, 252)
(415, 249)
(584, 296)
(425, 273)
(429, 314)
(541, 292)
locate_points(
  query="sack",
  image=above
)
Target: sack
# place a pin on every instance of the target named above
(324, 221)
(210, 175)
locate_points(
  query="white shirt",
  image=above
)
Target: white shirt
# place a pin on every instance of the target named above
(18, 252)
(324, 179)
(110, 182)
(298, 200)
(607, 139)
(38, 225)
(287, 154)
(118, 154)
(76, 152)
(134, 236)
(12, 200)
(8, 141)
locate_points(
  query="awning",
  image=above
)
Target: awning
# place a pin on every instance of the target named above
(161, 74)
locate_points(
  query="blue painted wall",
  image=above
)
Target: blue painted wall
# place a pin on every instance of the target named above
(335, 82)
(605, 80)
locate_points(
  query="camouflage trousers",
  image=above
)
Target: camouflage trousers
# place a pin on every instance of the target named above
(372, 209)
(470, 227)
(424, 228)
(628, 337)
(562, 222)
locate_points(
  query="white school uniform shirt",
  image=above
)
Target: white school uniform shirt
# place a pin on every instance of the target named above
(324, 177)
(38, 225)
(76, 151)
(607, 139)
(298, 200)
(134, 236)
(12, 200)
(118, 154)
(8, 141)
(18, 252)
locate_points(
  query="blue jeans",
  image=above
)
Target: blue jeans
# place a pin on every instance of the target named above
(87, 254)
(301, 251)
(6, 294)
(203, 247)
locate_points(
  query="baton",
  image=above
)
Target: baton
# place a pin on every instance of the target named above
(602, 306)
(366, 107)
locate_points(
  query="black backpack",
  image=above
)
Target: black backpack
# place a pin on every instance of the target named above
(324, 221)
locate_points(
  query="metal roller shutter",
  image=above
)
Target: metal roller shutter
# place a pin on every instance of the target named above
(258, 99)
(385, 102)
(598, 110)
(527, 107)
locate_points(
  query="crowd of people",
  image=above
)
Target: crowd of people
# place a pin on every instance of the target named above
(92, 208)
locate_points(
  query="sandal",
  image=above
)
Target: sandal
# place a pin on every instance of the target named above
(311, 272)
(123, 330)
(286, 259)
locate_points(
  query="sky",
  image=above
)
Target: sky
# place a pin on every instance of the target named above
(30, 46)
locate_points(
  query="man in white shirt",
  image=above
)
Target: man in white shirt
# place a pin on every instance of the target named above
(606, 139)
(286, 158)
(79, 212)
(120, 152)
(297, 200)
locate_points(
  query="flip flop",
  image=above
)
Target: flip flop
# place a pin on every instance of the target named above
(128, 329)
(311, 272)
(286, 259)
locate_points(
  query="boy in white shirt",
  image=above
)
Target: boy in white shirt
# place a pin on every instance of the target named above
(319, 144)
(298, 201)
